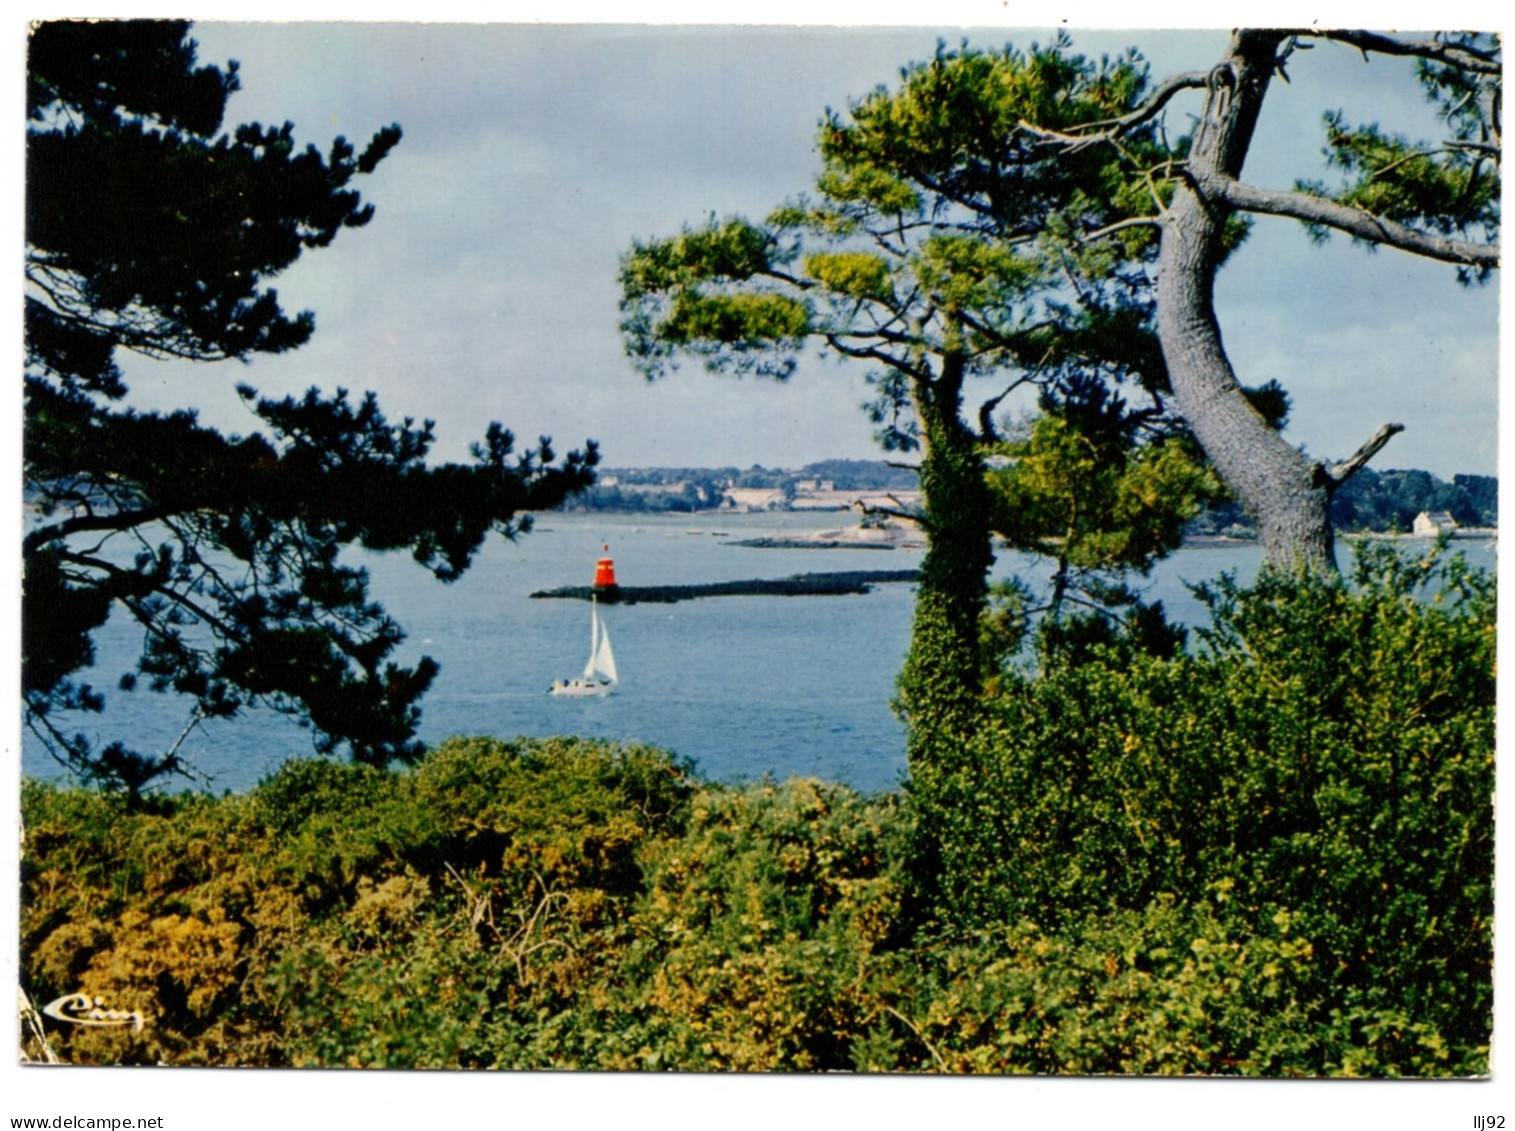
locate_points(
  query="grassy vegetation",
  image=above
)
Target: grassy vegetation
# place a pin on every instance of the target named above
(1270, 854)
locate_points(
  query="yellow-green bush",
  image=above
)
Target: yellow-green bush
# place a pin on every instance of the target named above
(254, 929)
(754, 946)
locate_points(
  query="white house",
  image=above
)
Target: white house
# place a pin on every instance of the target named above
(1430, 524)
(755, 498)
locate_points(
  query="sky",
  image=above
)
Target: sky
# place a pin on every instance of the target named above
(485, 287)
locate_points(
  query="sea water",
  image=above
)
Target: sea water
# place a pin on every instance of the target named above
(743, 686)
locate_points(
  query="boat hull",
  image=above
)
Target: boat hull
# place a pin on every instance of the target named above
(580, 689)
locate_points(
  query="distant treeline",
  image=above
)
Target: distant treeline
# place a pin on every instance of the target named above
(701, 494)
(1390, 500)
(843, 474)
(686, 489)
(1385, 501)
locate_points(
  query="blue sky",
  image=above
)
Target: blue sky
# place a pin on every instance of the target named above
(533, 155)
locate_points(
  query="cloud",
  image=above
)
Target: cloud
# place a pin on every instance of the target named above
(533, 156)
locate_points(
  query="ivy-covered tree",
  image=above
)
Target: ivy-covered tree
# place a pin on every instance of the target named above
(937, 250)
(151, 230)
(1438, 200)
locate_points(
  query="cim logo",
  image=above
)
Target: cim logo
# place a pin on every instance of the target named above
(82, 1009)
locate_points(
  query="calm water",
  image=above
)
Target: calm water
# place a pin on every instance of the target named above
(745, 686)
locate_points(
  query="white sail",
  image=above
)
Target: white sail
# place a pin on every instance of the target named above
(594, 638)
(600, 676)
(603, 660)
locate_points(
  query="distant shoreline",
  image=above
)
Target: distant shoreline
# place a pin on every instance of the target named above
(848, 538)
(1461, 534)
(808, 529)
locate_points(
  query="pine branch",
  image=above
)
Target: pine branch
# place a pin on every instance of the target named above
(1353, 221)
(91, 523)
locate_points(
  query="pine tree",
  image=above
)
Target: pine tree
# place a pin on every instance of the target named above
(935, 250)
(1436, 199)
(150, 229)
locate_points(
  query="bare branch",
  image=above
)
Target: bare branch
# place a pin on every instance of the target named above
(1121, 225)
(218, 625)
(897, 511)
(1071, 142)
(1341, 472)
(986, 430)
(1484, 148)
(1456, 55)
(170, 759)
(785, 277)
(1353, 221)
(936, 1056)
(51, 737)
(873, 353)
(1417, 155)
(1092, 133)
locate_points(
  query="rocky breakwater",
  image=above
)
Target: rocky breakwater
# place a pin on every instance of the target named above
(839, 583)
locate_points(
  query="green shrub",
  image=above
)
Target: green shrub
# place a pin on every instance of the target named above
(753, 944)
(1325, 753)
(1166, 989)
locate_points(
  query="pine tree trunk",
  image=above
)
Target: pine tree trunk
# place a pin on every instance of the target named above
(1282, 489)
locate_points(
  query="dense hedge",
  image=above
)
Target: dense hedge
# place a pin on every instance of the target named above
(1270, 855)
(1323, 758)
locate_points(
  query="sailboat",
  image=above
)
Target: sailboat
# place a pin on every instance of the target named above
(600, 676)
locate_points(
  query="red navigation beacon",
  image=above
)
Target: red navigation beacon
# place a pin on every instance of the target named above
(604, 571)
